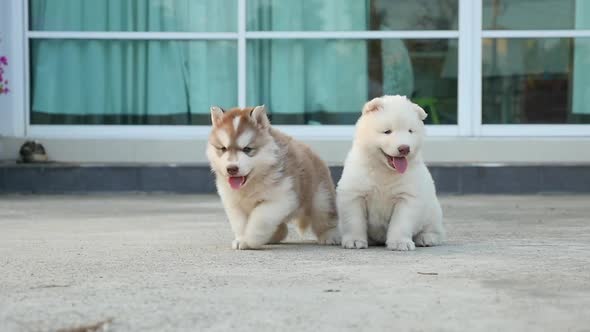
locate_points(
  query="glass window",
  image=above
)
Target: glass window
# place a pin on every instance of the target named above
(134, 15)
(350, 15)
(130, 81)
(328, 81)
(175, 82)
(536, 80)
(536, 14)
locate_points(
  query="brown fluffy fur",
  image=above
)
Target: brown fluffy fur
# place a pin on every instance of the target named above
(311, 181)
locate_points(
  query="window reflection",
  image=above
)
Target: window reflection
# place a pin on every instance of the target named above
(328, 81)
(536, 80)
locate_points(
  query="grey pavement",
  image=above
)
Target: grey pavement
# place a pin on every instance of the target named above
(164, 263)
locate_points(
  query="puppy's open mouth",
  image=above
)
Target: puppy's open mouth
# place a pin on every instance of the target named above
(400, 164)
(236, 182)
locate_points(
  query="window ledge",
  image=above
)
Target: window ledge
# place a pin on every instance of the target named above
(437, 150)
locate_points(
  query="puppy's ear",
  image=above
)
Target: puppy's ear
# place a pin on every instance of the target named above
(216, 115)
(258, 115)
(421, 113)
(373, 105)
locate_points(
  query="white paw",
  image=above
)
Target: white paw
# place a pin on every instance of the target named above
(239, 245)
(252, 242)
(427, 239)
(354, 244)
(401, 245)
(330, 237)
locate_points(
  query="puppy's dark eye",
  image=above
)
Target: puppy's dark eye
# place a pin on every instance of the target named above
(411, 131)
(387, 132)
(223, 149)
(247, 150)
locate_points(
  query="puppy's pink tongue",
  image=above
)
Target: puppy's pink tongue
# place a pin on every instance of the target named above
(236, 182)
(400, 163)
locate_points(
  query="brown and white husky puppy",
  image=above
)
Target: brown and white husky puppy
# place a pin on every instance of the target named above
(266, 179)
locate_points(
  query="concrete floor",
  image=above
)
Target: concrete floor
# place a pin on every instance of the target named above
(163, 263)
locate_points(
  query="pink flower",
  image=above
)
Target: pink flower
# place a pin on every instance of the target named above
(3, 83)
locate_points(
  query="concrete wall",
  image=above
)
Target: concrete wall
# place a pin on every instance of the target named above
(437, 150)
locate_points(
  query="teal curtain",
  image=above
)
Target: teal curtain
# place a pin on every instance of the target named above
(131, 81)
(297, 78)
(581, 94)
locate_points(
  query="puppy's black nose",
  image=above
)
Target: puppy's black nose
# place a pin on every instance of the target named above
(232, 170)
(404, 150)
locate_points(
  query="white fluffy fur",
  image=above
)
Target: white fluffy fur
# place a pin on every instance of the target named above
(377, 204)
(262, 219)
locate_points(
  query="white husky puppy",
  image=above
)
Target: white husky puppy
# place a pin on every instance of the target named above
(386, 194)
(266, 179)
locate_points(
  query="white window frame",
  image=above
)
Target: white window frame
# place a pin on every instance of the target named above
(469, 116)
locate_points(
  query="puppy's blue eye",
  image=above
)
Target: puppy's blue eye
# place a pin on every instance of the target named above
(387, 132)
(411, 131)
(247, 150)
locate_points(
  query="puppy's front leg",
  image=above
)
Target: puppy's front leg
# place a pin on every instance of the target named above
(237, 220)
(237, 217)
(264, 221)
(353, 220)
(401, 226)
